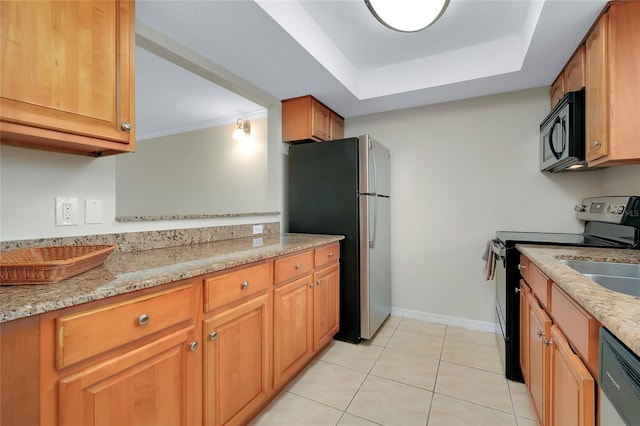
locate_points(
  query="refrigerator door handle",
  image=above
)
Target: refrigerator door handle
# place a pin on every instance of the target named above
(372, 242)
(372, 152)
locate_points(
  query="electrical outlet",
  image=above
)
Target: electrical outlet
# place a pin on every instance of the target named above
(257, 229)
(66, 211)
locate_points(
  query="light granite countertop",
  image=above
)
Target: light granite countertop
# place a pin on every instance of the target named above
(127, 272)
(618, 312)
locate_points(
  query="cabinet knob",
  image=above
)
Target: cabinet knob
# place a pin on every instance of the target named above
(517, 289)
(330, 254)
(318, 282)
(596, 144)
(540, 333)
(521, 267)
(298, 266)
(213, 335)
(547, 342)
(143, 319)
(244, 285)
(193, 346)
(126, 126)
(311, 284)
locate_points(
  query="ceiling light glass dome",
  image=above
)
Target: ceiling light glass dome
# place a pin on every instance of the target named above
(407, 15)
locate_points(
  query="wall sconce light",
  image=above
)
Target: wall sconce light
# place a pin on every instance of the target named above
(243, 131)
(407, 15)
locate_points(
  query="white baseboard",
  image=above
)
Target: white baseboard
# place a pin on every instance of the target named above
(490, 327)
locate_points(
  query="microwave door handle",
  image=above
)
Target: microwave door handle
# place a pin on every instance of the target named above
(564, 135)
(553, 149)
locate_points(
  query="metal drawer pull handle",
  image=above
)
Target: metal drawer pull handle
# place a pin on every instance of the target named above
(298, 266)
(143, 319)
(193, 345)
(213, 335)
(540, 333)
(244, 285)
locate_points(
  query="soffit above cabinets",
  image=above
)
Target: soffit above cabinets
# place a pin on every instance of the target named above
(337, 51)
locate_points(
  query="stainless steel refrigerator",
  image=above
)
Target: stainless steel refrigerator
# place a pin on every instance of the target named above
(343, 187)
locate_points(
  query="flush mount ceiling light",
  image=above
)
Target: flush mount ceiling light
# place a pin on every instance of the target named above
(243, 131)
(407, 15)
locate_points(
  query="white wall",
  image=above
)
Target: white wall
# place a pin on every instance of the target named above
(460, 172)
(205, 171)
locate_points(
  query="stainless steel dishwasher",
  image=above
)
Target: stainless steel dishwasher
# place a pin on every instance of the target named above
(619, 382)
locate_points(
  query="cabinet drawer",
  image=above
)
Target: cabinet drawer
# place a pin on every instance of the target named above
(85, 334)
(580, 328)
(293, 266)
(328, 254)
(540, 285)
(236, 284)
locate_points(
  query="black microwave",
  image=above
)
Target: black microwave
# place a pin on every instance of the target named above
(562, 135)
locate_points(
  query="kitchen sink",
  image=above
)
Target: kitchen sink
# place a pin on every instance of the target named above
(620, 277)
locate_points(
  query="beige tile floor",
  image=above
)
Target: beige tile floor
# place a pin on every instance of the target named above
(411, 373)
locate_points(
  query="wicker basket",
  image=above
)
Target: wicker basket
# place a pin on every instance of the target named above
(45, 265)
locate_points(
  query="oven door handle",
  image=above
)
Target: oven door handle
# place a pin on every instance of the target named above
(498, 248)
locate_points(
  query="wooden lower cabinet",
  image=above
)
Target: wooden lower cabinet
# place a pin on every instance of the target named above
(560, 384)
(524, 330)
(151, 385)
(237, 365)
(571, 387)
(538, 336)
(326, 305)
(292, 328)
(212, 350)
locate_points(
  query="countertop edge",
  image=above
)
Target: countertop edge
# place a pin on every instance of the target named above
(618, 312)
(22, 301)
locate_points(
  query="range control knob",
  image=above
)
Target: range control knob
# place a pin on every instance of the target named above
(620, 209)
(580, 208)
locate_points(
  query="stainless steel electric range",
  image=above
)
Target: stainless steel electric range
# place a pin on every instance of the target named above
(612, 222)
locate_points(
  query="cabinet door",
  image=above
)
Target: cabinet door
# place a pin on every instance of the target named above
(326, 305)
(293, 328)
(524, 330)
(151, 385)
(337, 127)
(574, 71)
(68, 72)
(597, 99)
(571, 388)
(236, 362)
(557, 90)
(539, 334)
(320, 121)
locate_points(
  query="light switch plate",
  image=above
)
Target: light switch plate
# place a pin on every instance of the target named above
(93, 211)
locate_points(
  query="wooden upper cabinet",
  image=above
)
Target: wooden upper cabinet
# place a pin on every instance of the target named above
(336, 130)
(68, 75)
(574, 71)
(557, 90)
(305, 118)
(570, 79)
(612, 85)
